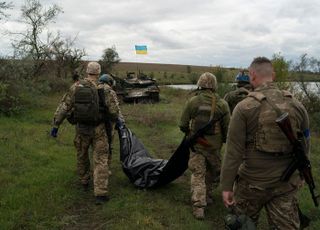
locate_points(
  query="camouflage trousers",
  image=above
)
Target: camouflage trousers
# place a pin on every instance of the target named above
(205, 168)
(280, 204)
(98, 140)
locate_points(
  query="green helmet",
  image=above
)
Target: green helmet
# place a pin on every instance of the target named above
(207, 81)
(93, 68)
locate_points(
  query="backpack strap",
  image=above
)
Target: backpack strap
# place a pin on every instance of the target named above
(213, 106)
(257, 95)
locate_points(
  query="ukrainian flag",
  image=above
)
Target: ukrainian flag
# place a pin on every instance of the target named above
(141, 49)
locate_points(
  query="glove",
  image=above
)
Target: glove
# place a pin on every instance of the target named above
(120, 123)
(54, 132)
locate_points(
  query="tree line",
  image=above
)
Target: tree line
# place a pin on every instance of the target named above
(43, 60)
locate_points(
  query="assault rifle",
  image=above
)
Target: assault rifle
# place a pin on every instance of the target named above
(198, 136)
(300, 160)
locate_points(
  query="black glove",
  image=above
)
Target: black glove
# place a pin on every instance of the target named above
(54, 132)
(120, 124)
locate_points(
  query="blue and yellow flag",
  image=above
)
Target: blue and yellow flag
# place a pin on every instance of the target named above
(141, 49)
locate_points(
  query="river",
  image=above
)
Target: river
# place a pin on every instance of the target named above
(312, 86)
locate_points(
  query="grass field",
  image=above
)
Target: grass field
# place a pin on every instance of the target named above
(186, 74)
(39, 186)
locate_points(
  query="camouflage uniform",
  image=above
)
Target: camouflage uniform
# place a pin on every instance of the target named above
(205, 162)
(114, 108)
(86, 136)
(257, 156)
(237, 95)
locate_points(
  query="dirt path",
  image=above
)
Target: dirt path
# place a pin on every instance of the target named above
(85, 214)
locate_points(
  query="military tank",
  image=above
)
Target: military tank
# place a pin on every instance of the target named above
(137, 89)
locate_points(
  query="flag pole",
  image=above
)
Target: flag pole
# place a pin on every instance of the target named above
(140, 49)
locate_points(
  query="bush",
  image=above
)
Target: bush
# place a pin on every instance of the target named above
(315, 122)
(17, 89)
(193, 77)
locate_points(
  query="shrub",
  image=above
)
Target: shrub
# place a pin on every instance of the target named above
(193, 77)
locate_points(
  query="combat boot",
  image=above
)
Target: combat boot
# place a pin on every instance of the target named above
(85, 187)
(101, 200)
(198, 213)
(209, 200)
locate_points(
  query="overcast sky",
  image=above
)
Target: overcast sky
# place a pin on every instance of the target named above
(205, 32)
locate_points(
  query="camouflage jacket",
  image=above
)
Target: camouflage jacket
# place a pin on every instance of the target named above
(66, 105)
(235, 96)
(192, 112)
(112, 101)
(241, 158)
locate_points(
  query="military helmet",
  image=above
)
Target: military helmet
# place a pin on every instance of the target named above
(207, 81)
(242, 77)
(93, 68)
(106, 78)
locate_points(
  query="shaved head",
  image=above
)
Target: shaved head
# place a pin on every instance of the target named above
(262, 66)
(260, 71)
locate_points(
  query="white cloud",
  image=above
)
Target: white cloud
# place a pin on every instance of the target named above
(207, 32)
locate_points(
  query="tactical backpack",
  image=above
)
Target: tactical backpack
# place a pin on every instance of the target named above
(269, 137)
(204, 114)
(86, 104)
(234, 97)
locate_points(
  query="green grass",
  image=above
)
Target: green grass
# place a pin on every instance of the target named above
(39, 186)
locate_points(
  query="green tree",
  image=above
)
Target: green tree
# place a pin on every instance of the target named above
(66, 57)
(109, 59)
(281, 69)
(220, 73)
(315, 65)
(193, 77)
(189, 70)
(32, 45)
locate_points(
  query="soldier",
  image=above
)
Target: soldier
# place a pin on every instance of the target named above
(83, 102)
(106, 82)
(257, 152)
(243, 88)
(205, 161)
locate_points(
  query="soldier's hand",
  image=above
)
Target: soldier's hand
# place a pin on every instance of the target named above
(120, 123)
(54, 132)
(228, 198)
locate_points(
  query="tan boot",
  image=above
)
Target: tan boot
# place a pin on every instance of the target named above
(198, 213)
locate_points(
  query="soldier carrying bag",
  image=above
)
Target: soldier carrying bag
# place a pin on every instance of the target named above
(86, 104)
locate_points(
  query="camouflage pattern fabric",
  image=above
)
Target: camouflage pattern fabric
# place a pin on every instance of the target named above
(86, 136)
(203, 98)
(269, 137)
(242, 158)
(205, 167)
(112, 103)
(235, 96)
(280, 203)
(205, 162)
(98, 140)
(260, 171)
